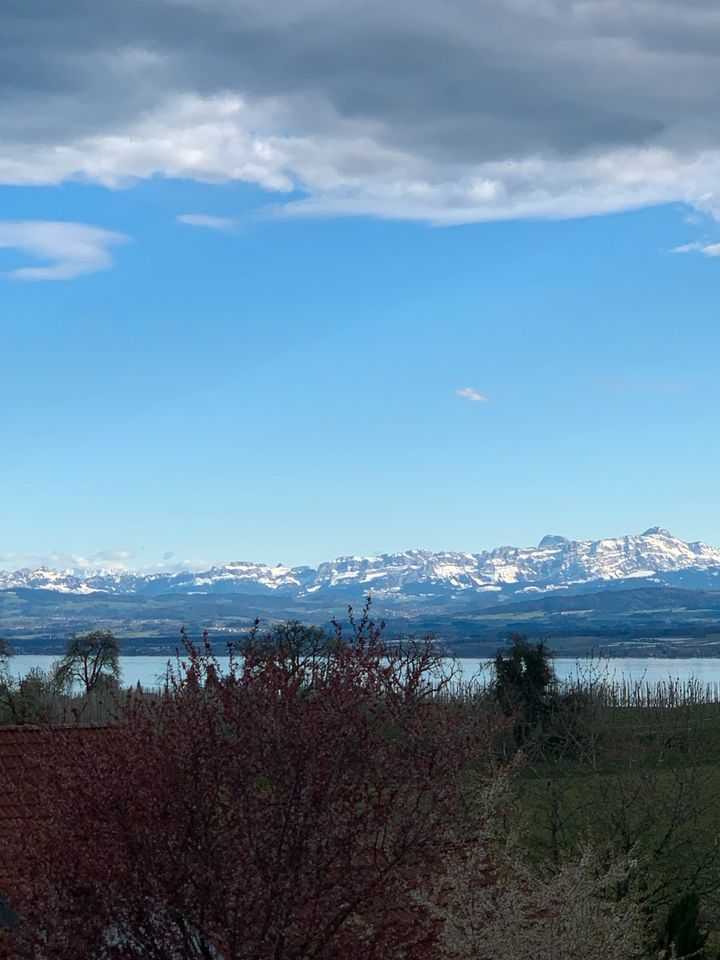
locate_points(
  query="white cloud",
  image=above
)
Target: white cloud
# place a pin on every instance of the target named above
(347, 167)
(699, 246)
(211, 139)
(57, 560)
(207, 220)
(69, 249)
(470, 393)
(120, 560)
(444, 113)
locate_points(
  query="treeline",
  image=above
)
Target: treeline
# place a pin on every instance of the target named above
(328, 796)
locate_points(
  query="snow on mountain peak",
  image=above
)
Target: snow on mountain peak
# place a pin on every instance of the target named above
(555, 562)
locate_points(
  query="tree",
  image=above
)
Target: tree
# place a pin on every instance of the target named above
(272, 811)
(499, 907)
(35, 697)
(92, 660)
(5, 655)
(294, 643)
(6, 681)
(523, 675)
(683, 935)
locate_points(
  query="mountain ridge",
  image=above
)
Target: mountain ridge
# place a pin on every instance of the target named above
(555, 564)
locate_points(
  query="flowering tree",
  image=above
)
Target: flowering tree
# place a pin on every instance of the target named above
(492, 905)
(289, 808)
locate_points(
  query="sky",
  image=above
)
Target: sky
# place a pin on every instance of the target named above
(284, 281)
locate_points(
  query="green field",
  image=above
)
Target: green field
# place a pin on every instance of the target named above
(642, 784)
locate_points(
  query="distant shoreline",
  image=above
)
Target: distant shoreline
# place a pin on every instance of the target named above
(472, 652)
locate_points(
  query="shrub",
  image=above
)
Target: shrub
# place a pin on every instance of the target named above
(280, 810)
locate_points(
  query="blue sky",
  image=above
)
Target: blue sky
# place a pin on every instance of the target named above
(285, 383)
(287, 391)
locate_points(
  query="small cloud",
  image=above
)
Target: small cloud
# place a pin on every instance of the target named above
(470, 393)
(207, 220)
(70, 249)
(699, 246)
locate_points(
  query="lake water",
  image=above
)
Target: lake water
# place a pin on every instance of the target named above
(149, 671)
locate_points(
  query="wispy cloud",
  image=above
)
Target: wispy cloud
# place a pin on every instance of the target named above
(699, 246)
(57, 560)
(114, 559)
(69, 249)
(470, 393)
(207, 220)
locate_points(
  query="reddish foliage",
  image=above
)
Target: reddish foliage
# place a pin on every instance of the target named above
(273, 812)
(26, 750)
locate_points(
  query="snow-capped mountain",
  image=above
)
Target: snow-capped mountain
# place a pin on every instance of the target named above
(556, 563)
(61, 581)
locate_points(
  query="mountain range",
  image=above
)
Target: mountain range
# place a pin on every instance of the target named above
(649, 592)
(654, 557)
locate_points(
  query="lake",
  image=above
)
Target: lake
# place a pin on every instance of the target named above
(150, 670)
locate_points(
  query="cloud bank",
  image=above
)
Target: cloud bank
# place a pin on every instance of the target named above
(112, 559)
(68, 249)
(419, 109)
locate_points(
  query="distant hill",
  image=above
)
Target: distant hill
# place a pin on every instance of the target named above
(615, 602)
